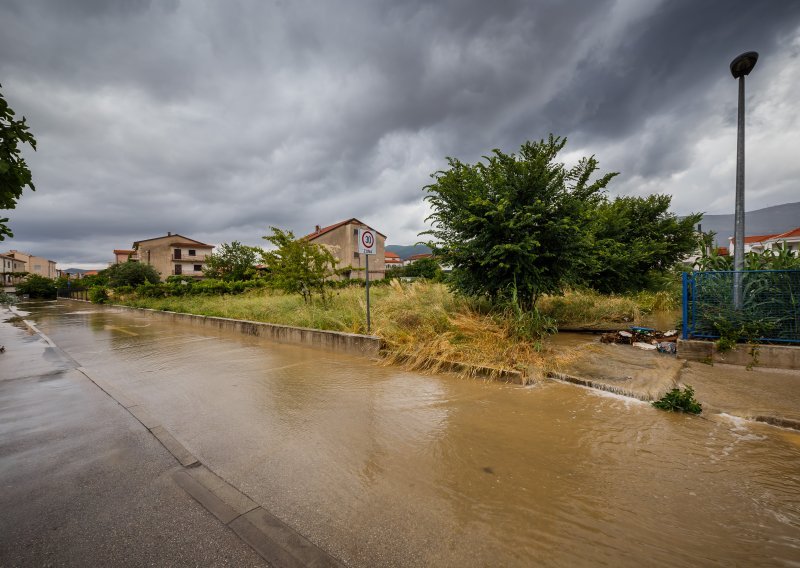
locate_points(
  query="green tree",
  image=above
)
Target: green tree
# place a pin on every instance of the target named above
(14, 172)
(130, 274)
(425, 268)
(298, 266)
(636, 238)
(36, 286)
(515, 227)
(232, 261)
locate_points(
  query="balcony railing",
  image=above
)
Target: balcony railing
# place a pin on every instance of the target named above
(182, 258)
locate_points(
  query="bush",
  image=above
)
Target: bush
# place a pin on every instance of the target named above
(130, 274)
(36, 286)
(7, 298)
(98, 295)
(679, 400)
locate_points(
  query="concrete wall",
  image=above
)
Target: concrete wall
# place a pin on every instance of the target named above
(351, 343)
(774, 356)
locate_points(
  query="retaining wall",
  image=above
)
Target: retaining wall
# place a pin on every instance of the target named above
(774, 356)
(351, 343)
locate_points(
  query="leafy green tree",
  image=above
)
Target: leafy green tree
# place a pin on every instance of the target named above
(130, 274)
(636, 238)
(425, 268)
(36, 286)
(14, 172)
(232, 261)
(298, 266)
(515, 226)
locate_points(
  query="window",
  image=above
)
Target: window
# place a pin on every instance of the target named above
(356, 255)
(192, 252)
(355, 232)
(198, 268)
(37, 266)
(178, 269)
(177, 255)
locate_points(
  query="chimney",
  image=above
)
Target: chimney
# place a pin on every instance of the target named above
(169, 234)
(317, 229)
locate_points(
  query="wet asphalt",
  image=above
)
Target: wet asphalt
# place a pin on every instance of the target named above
(82, 482)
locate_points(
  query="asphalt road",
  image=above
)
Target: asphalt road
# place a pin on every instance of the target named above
(86, 484)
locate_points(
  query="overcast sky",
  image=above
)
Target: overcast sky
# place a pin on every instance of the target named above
(217, 119)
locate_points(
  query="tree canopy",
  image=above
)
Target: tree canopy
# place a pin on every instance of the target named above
(14, 172)
(232, 261)
(130, 273)
(515, 226)
(635, 237)
(297, 265)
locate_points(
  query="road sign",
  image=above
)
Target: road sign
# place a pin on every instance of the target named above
(366, 241)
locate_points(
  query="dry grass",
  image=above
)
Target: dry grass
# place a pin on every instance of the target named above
(424, 325)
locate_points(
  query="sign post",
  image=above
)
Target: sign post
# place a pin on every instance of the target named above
(366, 246)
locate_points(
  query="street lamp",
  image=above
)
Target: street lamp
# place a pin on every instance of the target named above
(740, 67)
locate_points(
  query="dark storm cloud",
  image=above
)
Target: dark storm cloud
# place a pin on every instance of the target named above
(217, 119)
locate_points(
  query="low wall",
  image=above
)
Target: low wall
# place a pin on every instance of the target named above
(774, 356)
(351, 343)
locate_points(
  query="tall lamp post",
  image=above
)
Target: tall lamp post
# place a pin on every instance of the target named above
(740, 67)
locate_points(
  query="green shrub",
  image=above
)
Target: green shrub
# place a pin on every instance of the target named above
(679, 400)
(98, 295)
(36, 286)
(7, 298)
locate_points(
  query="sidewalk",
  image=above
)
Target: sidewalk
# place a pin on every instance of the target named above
(767, 395)
(83, 482)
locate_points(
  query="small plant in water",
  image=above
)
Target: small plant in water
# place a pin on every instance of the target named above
(679, 400)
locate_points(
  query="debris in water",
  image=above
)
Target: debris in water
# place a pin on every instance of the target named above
(645, 346)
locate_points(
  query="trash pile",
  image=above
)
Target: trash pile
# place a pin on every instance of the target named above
(645, 338)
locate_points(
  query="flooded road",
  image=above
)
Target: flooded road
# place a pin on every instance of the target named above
(380, 466)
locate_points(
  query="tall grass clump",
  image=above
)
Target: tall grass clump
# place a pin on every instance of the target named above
(587, 308)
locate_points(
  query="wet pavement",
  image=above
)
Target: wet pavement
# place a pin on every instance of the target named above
(383, 467)
(85, 484)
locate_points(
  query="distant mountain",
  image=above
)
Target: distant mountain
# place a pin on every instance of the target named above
(767, 221)
(75, 271)
(404, 251)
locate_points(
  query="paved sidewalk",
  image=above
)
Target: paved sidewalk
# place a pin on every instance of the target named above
(83, 482)
(767, 395)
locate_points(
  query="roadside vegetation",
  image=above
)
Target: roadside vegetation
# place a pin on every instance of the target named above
(531, 246)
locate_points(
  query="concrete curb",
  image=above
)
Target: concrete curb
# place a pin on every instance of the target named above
(598, 386)
(275, 541)
(351, 343)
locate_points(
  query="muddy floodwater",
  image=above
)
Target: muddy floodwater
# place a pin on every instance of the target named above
(384, 467)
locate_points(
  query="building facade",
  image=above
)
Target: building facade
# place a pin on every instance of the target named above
(10, 268)
(124, 255)
(342, 240)
(35, 264)
(174, 255)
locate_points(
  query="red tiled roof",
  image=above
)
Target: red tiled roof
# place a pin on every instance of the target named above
(723, 251)
(329, 228)
(788, 234)
(390, 254)
(123, 251)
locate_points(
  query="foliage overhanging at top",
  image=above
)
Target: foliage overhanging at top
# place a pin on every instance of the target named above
(14, 172)
(515, 225)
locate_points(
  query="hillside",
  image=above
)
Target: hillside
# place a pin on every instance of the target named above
(404, 251)
(776, 219)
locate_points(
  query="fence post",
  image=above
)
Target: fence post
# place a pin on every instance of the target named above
(685, 322)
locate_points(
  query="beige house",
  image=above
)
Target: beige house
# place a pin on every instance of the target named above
(35, 264)
(342, 240)
(124, 255)
(9, 268)
(174, 255)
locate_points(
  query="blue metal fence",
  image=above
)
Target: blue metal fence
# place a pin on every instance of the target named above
(770, 305)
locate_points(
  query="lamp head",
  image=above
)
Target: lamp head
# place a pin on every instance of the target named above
(743, 64)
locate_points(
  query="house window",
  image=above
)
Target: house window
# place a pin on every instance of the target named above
(355, 232)
(198, 268)
(177, 253)
(356, 255)
(192, 252)
(178, 269)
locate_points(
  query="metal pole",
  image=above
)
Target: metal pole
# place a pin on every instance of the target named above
(367, 276)
(738, 232)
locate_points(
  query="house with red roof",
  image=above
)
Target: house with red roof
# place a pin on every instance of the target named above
(342, 240)
(415, 257)
(759, 243)
(392, 260)
(124, 255)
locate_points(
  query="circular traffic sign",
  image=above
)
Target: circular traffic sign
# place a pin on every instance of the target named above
(367, 239)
